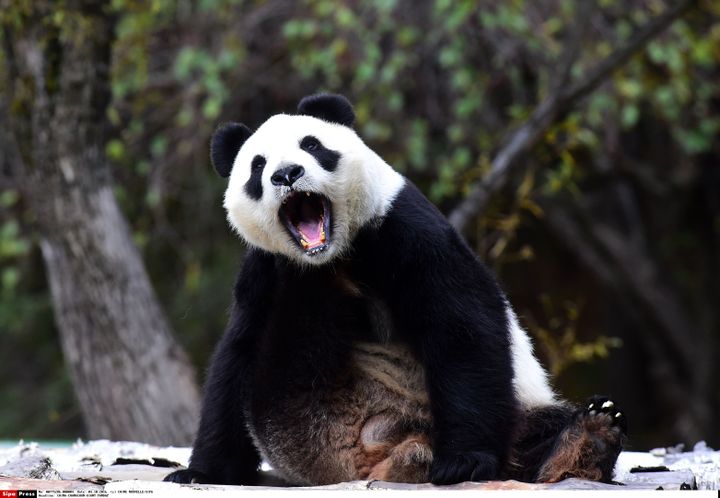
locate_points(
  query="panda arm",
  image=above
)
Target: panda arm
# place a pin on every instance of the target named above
(463, 342)
(223, 452)
(448, 306)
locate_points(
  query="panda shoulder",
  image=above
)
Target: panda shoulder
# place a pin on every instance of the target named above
(412, 215)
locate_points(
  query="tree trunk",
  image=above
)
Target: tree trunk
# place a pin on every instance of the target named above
(132, 379)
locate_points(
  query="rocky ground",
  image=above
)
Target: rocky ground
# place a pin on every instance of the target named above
(107, 466)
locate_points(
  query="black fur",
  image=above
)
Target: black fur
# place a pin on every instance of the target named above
(253, 187)
(328, 107)
(301, 328)
(536, 437)
(327, 158)
(225, 144)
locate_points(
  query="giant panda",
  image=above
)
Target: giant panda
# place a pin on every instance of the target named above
(365, 339)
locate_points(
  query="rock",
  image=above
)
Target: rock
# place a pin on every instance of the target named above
(673, 480)
(116, 466)
(44, 485)
(33, 467)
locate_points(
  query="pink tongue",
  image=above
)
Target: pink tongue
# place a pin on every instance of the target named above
(311, 232)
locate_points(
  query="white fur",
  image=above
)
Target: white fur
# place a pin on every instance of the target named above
(361, 188)
(531, 380)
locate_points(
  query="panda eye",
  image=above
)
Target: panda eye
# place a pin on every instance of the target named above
(258, 163)
(310, 143)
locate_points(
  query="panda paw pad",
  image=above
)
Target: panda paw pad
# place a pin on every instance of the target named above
(601, 410)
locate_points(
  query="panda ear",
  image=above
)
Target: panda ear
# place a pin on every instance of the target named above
(328, 107)
(225, 144)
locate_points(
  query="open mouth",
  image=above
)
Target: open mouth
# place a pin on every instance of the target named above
(306, 215)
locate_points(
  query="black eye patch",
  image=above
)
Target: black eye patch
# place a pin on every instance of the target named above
(327, 158)
(253, 187)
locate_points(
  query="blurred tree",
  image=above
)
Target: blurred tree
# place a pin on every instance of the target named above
(132, 379)
(618, 255)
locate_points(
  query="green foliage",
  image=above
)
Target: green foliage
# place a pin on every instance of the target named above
(559, 338)
(323, 44)
(206, 70)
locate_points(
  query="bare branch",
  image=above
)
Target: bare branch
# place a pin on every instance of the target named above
(561, 99)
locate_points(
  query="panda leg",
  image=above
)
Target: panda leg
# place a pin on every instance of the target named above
(409, 461)
(537, 432)
(559, 442)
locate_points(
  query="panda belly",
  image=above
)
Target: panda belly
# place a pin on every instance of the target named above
(370, 421)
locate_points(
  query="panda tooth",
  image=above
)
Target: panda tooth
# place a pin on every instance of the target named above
(307, 194)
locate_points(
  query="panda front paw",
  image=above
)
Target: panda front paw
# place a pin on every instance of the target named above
(470, 466)
(187, 476)
(601, 409)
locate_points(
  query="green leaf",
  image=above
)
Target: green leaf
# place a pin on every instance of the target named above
(158, 146)
(8, 198)
(115, 150)
(630, 115)
(10, 278)
(185, 62)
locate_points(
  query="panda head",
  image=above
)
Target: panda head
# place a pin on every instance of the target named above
(303, 185)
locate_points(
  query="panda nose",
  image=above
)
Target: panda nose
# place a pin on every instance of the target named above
(287, 176)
